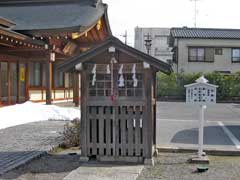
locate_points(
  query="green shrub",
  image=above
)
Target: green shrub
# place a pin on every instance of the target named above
(173, 85)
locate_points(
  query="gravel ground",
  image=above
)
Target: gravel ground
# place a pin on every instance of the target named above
(40, 136)
(174, 166)
(50, 167)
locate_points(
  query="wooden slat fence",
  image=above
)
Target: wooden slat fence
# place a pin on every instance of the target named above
(115, 131)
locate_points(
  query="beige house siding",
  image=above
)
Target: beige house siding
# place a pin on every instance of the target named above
(221, 62)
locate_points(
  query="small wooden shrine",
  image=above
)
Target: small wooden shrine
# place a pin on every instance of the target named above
(118, 105)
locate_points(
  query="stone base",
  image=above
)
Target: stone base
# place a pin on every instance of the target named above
(149, 162)
(201, 160)
(83, 159)
(155, 152)
(120, 159)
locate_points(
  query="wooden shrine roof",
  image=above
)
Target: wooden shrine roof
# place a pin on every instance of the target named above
(70, 64)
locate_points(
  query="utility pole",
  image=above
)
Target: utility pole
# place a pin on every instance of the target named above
(195, 12)
(148, 43)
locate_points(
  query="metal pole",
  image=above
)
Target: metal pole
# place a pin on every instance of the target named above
(195, 12)
(201, 130)
(195, 21)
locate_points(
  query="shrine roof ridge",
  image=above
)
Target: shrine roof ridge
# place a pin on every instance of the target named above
(113, 41)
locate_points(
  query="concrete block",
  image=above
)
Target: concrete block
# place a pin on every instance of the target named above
(84, 159)
(200, 160)
(149, 162)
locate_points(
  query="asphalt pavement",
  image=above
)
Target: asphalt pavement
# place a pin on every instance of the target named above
(178, 122)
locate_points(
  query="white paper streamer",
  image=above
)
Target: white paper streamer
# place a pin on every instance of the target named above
(135, 81)
(94, 71)
(121, 78)
(134, 69)
(121, 69)
(108, 69)
(121, 81)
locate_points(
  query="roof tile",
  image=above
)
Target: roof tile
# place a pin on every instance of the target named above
(205, 33)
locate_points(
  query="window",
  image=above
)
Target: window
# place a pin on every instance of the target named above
(35, 74)
(236, 55)
(58, 79)
(128, 89)
(218, 51)
(102, 85)
(196, 54)
(68, 80)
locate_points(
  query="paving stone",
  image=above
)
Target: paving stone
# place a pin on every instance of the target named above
(105, 172)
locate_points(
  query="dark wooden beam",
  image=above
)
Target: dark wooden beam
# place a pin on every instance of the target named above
(76, 89)
(101, 35)
(148, 114)
(89, 39)
(20, 49)
(83, 134)
(27, 82)
(8, 45)
(48, 80)
(18, 82)
(8, 85)
(94, 35)
(0, 86)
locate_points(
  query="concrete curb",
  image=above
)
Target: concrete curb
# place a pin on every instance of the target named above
(216, 152)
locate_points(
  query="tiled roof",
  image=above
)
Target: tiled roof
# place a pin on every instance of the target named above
(205, 33)
(51, 14)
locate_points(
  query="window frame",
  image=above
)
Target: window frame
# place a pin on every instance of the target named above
(204, 57)
(58, 76)
(235, 61)
(33, 76)
(217, 50)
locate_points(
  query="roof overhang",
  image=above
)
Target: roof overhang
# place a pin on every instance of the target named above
(70, 64)
(57, 16)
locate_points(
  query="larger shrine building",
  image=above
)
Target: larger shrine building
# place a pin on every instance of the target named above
(37, 35)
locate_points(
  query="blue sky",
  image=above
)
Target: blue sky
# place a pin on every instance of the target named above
(127, 14)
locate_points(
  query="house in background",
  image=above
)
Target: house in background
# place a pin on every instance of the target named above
(205, 50)
(160, 46)
(37, 35)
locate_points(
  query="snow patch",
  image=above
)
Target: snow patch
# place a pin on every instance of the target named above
(32, 112)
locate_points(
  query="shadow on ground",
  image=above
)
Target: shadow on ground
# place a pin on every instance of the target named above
(213, 135)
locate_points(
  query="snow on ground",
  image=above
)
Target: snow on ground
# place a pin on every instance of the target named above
(32, 112)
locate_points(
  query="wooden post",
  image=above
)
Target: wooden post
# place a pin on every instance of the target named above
(27, 96)
(84, 127)
(76, 88)
(48, 80)
(0, 86)
(154, 109)
(8, 84)
(148, 117)
(18, 82)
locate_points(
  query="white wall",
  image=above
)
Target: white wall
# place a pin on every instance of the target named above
(160, 48)
(221, 62)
